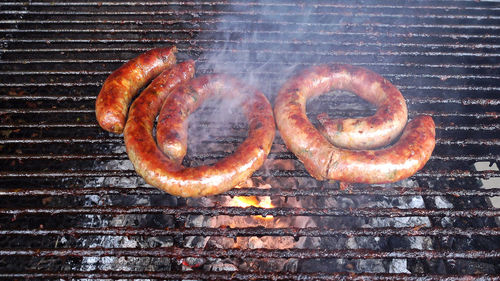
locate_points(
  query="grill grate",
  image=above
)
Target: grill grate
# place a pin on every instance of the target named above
(73, 208)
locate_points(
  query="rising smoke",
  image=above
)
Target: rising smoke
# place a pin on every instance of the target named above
(264, 43)
(261, 44)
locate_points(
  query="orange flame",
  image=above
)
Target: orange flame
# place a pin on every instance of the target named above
(254, 201)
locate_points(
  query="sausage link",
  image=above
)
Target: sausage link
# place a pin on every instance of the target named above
(325, 161)
(171, 130)
(399, 161)
(124, 83)
(355, 133)
(145, 108)
(166, 173)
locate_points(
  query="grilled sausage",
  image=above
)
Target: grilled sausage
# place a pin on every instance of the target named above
(124, 83)
(325, 161)
(145, 108)
(355, 133)
(166, 173)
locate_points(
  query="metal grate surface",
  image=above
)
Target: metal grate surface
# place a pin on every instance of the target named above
(72, 206)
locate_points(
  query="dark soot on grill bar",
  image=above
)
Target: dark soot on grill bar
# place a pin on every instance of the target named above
(73, 205)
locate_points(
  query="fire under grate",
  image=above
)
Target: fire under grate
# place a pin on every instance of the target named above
(72, 206)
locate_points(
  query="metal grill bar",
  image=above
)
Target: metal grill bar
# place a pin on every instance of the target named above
(236, 3)
(174, 252)
(229, 232)
(478, 116)
(63, 140)
(237, 211)
(388, 75)
(118, 61)
(479, 127)
(411, 100)
(212, 155)
(245, 13)
(458, 173)
(318, 53)
(215, 21)
(323, 33)
(323, 192)
(252, 276)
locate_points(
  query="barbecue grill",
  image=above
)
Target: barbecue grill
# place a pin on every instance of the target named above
(72, 207)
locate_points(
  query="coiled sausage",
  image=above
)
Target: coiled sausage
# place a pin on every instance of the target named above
(166, 172)
(326, 161)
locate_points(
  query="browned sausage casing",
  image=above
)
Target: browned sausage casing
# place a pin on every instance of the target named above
(355, 133)
(167, 174)
(124, 83)
(325, 161)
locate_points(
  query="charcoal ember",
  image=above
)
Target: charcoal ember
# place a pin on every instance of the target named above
(191, 263)
(471, 267)
(399, 266)
(221, 266)
(269, 265)
(442, 203)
